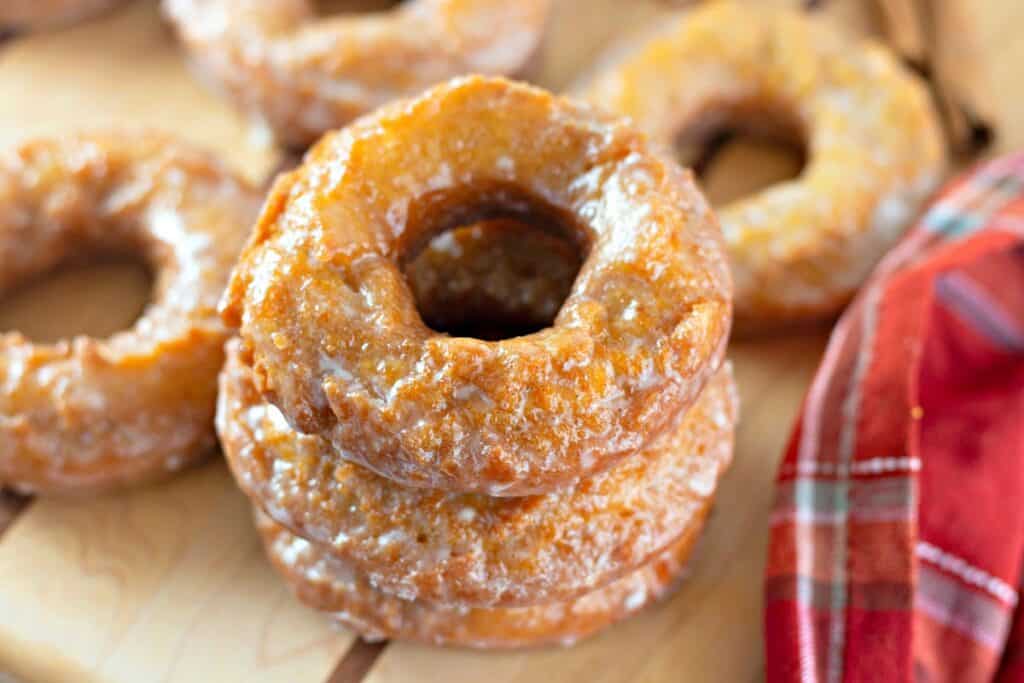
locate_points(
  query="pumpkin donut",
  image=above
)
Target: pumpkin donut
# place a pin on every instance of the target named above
(88, 413)
(338, 346)
(304, 76)
(33, 15)
(470, 549)
(801, 248)
(324, 583)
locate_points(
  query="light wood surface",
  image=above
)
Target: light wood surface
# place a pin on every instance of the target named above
(168, 583)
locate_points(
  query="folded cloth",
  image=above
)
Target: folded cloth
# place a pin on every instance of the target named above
(897, 538)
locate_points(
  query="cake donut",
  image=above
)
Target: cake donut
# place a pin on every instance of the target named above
(801, 248)
(32, 15)
(331, 329)
(85, 413)
(303, 75)
(470, 549)
(324, 583)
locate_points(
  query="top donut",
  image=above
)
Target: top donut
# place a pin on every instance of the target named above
(304, 75)
(337, 344)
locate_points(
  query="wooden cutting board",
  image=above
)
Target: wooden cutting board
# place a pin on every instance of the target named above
(168, 583)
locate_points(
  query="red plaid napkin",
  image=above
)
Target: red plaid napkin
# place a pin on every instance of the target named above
(897, 539)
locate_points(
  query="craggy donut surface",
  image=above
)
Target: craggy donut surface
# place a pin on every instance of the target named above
(338, 345)
(305, 76)
(92, 413)
(30, 15)
(799, 249)
(469, 549)
(326, 584)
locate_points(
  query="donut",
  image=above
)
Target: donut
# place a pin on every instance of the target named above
(799, 249)
(303, 76)
(491, 278)
(322, 582)
(469, 549)
(31, 15)
(336, 342)
(87, 414)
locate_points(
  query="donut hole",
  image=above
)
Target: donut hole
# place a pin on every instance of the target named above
(96, 299)
(739, 151)
(331, 8)
(493, 279)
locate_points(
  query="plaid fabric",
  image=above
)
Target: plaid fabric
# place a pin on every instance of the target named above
(897, 538)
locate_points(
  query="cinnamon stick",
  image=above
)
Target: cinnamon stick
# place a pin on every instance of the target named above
(961, 89)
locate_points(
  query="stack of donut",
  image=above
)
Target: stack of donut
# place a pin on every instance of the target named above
(455, 490)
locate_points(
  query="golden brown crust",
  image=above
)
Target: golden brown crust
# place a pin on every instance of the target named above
(470, 549)
(801, 248)
(31, 15)
(337, 344)
(305, 76)
(90, 413)
(326, 584)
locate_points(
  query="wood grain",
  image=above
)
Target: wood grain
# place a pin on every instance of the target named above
(359, 659)
(167, 583)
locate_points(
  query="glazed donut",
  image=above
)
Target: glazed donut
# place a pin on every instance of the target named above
(489, 278)
(326, 584)
(801, 248)
(337, 343)
(303, 76)
(33, 15)
(469, 549)
(88, 413)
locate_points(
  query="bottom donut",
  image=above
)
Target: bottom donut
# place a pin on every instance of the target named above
(324, 583)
